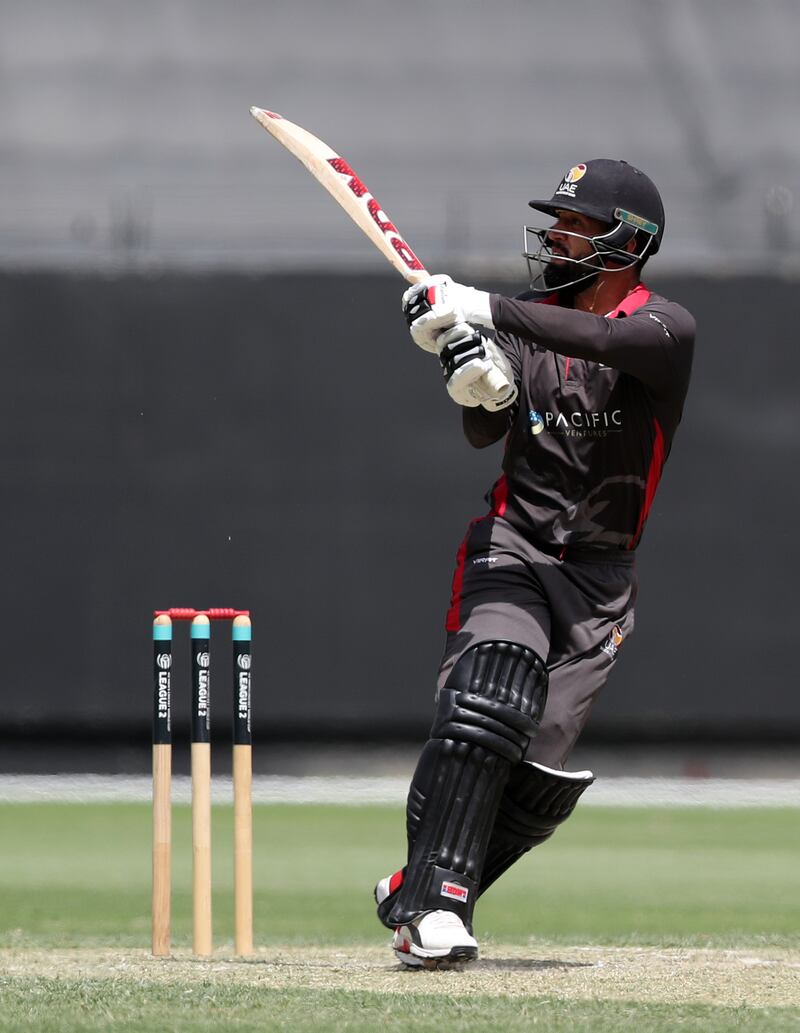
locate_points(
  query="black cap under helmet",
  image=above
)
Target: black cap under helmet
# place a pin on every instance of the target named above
(613, 192)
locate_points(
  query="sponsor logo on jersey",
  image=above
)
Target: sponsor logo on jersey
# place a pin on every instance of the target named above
(479, 560)
(579, 423)
(454, 891)
(611, 645)
(569, 183)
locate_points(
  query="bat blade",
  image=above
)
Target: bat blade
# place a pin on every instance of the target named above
(340, 180)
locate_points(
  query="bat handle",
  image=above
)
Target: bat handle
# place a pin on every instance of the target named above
(496, 382)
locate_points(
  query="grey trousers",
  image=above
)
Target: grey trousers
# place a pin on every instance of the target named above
(575, 612)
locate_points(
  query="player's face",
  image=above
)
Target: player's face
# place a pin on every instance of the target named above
(561, 240)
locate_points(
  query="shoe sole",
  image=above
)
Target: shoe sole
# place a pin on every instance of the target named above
(456, 958)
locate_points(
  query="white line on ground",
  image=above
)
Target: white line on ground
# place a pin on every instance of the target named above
(611, 792)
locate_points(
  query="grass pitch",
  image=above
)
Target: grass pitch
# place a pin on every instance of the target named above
(628, 919)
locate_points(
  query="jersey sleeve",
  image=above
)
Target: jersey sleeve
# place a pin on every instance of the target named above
(653, 344)
(482, 428)
(512, 350)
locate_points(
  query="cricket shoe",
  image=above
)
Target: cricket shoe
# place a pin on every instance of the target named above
(385, 893)
(386, 888)
(437, 939)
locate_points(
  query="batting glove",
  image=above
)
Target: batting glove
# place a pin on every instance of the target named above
(474, 367)
(439, 304)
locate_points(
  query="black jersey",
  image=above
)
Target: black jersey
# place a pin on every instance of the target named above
(600, 398)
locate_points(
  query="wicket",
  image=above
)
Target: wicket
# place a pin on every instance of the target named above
(241, 634)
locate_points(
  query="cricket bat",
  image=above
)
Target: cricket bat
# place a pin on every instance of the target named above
(339, 179)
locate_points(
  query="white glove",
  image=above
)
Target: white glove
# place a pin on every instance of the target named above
(477, 371)
(438, 304)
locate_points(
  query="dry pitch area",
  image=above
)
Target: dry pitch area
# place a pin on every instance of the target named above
(768, 977)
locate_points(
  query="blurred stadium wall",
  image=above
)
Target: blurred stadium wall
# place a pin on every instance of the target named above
(208, 396)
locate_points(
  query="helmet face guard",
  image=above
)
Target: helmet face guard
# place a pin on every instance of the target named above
(608, 252)
(614, 193)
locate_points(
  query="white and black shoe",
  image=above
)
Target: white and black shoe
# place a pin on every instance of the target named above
(437, 939)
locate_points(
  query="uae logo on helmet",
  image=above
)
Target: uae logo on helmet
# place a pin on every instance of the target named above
(570, 181)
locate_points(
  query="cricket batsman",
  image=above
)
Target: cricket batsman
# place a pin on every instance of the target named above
(594, 368)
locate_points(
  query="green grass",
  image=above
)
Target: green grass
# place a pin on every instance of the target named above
(663, 877)
(50, 1006)
(78, 876)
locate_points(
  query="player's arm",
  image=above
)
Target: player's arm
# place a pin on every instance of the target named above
(653, 345)
(482, 428)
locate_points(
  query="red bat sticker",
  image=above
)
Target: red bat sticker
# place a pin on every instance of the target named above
(379, 217)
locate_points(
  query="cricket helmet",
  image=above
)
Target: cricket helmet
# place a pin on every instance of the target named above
(615, 193)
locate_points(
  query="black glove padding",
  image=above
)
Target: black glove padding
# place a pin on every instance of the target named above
(476, 370)
(462, 348)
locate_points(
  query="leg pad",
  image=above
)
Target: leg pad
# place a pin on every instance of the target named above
(535, 801)
(486, 715)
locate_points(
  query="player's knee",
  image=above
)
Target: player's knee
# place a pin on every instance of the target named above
(555, 737)
(494, 697)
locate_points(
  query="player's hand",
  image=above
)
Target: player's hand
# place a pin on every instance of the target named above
(429, 308)
(437, 304)
(477, 371)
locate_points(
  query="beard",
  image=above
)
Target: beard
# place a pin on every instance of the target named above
(558, 278)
